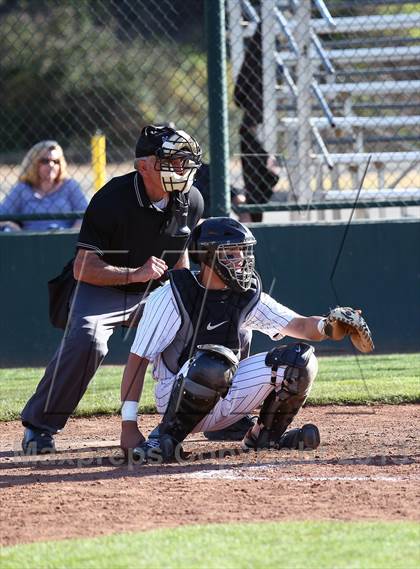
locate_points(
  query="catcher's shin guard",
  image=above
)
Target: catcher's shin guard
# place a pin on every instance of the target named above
(280, 407)
(207, 380)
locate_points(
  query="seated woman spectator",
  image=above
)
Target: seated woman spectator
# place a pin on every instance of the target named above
(43, 187)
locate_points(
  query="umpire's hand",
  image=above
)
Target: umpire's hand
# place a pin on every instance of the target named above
(152, 269)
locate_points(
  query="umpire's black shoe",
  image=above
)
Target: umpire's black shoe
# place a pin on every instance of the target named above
(305, 438)
(37, 441)
(235, 432)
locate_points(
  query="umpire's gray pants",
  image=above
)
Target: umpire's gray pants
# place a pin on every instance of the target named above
(94, 315)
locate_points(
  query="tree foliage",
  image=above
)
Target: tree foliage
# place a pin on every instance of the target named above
(73, 67)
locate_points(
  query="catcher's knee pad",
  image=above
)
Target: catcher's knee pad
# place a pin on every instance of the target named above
(194, 395)
(284, 402)
(301, 367)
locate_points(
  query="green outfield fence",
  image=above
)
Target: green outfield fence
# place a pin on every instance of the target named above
(289, 99)
(375, 271)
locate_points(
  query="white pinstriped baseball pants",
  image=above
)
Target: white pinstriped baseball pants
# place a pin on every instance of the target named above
(250, 386)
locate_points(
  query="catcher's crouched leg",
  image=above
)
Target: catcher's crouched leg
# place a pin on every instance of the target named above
(282, 404)
(193, 396)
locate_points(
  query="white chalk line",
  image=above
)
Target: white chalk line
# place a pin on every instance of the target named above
(236, 474)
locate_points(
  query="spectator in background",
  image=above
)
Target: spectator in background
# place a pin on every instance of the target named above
(257, 166)
(43, 187)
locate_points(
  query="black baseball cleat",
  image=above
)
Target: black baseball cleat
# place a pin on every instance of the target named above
(158, 449)
(37, 441)
(147, 452)
(305, 438)
(235, 432)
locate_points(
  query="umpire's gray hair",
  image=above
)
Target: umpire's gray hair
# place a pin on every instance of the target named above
(137, 160)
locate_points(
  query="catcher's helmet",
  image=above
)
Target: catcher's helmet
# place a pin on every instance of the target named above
(226, 246)
(178, 155)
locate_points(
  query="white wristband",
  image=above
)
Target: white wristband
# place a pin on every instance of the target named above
(129, 410)
(321, 326)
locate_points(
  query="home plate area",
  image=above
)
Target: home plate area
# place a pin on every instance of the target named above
(367, 468)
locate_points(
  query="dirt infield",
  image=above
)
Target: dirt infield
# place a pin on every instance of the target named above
(367, 468)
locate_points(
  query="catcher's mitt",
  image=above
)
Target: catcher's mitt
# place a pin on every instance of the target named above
(345, 321)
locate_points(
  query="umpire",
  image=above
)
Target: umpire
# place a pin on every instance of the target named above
(134, 229)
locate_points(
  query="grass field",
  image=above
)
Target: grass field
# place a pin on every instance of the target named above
(341, 380)
(256, 546)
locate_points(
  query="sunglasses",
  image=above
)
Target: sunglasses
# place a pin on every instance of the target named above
(48, 160)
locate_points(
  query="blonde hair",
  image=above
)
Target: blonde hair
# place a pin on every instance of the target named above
(29, 173)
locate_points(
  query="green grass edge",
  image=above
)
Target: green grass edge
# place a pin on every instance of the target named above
(391, 379)
(310, 544)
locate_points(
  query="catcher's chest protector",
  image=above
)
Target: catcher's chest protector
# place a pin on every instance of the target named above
(208, 316)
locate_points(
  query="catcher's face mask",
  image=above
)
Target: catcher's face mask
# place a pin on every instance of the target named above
(235, 265)
(177, 161)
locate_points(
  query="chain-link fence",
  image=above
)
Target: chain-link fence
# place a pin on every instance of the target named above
(322, 86)
(70, 68)
(315, 88)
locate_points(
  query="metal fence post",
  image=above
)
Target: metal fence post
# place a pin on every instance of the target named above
(218, 119)
(269, 126)
(302, 170)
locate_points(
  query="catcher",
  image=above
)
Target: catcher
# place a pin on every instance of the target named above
(190, 332)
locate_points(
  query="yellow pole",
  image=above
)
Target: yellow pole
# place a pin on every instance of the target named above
(98, 160)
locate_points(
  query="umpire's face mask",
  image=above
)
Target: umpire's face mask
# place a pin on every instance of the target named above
(178, 160)
(176, 175)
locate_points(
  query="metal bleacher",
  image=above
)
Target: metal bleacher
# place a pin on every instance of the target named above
(341, 83)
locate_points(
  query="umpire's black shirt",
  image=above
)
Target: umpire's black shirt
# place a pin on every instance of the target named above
(125, 228)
